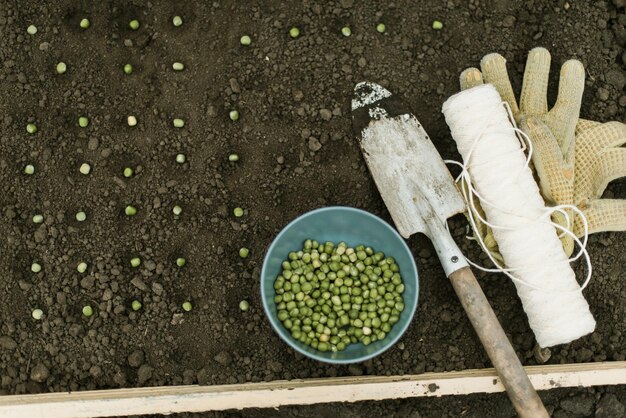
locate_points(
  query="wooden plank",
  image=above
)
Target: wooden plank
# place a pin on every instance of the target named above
(194, 398)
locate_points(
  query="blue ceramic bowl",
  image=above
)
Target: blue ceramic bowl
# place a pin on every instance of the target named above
(355, 227)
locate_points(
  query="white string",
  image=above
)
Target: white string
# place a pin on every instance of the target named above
(495, 170)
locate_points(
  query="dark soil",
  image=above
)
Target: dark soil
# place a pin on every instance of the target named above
(297, 153)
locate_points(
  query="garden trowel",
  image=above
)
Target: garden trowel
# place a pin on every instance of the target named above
(420, 194)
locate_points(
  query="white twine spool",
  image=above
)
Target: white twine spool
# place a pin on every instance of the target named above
(496, 166)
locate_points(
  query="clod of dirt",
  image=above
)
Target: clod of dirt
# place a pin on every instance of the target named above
(224, 358)
(578, 405)
(610, 407)
(135, 359)
(602, 94)
(355, 370)
(616, 78)
(326, 114)
(7, 343)
(314, 144)
(275, 366)
(95, 371)
(144, 374)
(39, 373)
(119, 378)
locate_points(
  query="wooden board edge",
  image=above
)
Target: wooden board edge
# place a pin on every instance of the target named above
(195, 398)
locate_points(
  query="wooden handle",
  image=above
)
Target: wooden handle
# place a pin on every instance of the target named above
(521, 392)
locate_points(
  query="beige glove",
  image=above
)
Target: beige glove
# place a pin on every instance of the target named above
(574, 158)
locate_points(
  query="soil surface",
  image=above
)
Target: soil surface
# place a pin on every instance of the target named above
(297, 152)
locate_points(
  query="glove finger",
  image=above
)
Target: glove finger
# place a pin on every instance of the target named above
(563, 117)
(601, 136)
(610, 166)
(534, 98)
(584, 124)
(591, 146)
(613, 166)
(556, 176)
(494, 72)
(602, 215)
(470, 77)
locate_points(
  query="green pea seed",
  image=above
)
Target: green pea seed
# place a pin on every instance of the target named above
(85, 168)
(84, 23)
(134, 24)
(87, 311)
(136, 305)
(187, 306)
(294, 32)
(61, 68)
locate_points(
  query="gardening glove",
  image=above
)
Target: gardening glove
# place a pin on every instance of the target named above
(574, 158)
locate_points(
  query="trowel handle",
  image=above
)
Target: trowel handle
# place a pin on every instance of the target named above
(508, 366)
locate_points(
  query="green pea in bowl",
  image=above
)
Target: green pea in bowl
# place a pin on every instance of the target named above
(354, 227)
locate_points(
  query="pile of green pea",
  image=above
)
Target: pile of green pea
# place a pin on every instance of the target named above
(330, 296)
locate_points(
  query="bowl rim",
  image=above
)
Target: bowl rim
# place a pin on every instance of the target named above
(277, 326)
